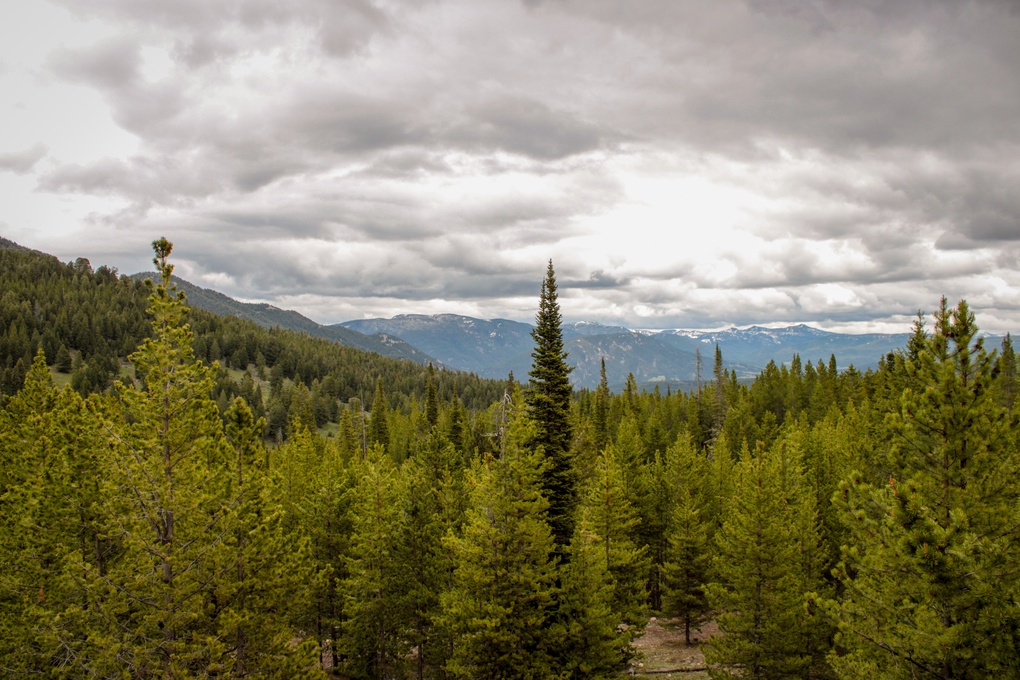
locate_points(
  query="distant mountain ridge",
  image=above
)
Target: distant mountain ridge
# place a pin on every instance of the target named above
(757, 345)
(492, 348)
(495, 347)
(454, 340)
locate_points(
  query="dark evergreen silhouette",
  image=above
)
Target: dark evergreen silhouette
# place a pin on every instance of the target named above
(548, 399)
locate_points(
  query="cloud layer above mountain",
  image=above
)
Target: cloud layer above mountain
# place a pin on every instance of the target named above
(685, 164)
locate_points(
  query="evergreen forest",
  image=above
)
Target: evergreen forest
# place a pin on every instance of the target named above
(188, 495)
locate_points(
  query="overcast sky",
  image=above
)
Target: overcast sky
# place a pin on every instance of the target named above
(694, 163)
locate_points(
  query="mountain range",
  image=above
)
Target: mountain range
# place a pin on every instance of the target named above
(495, 347)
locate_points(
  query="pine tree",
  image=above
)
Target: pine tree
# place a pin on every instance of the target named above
(458, 428)
(601, 418)
(721, 479)
(169, 462)
(592, 644)
(50, 517)
(503, 589)
(431, 399)
(760, 588)
(607, 511)
(720, 404)
(685, 559)
(1009, 382)
(267, 574)
(63, 360)
(313, 487)
(330, 528)
(378, 424)
(375, 632)
(435, 506)
(929, 570)
(686, 569)
(828, 449)
(655, 522)
(163, 605)
(347, 436)
(549, 403)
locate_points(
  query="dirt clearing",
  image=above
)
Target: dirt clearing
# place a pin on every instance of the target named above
(663, 653)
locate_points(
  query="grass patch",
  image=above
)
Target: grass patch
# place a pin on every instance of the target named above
(62, 380)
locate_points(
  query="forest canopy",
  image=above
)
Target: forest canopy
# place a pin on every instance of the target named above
(183, 494)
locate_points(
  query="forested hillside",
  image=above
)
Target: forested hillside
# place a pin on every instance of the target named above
(833, 523)
(268, 316)
(88, 321)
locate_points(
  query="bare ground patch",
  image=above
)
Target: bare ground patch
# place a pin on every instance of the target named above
(662, 651)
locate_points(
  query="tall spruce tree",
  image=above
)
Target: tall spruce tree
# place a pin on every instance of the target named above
(378, 424)
(929, 568)
(548, 399)
(601, 417)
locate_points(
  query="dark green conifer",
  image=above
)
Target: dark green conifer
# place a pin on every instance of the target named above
(378, 423)
(549, 403)
(431, 399)
(687, 559)
(436, 502)
(375, 634)
(347, 438)
(63, 360)
(685, 572)
(720, 405)
(1009, 381)
(601, 417)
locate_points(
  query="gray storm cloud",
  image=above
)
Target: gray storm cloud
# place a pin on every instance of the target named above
(371, 151)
